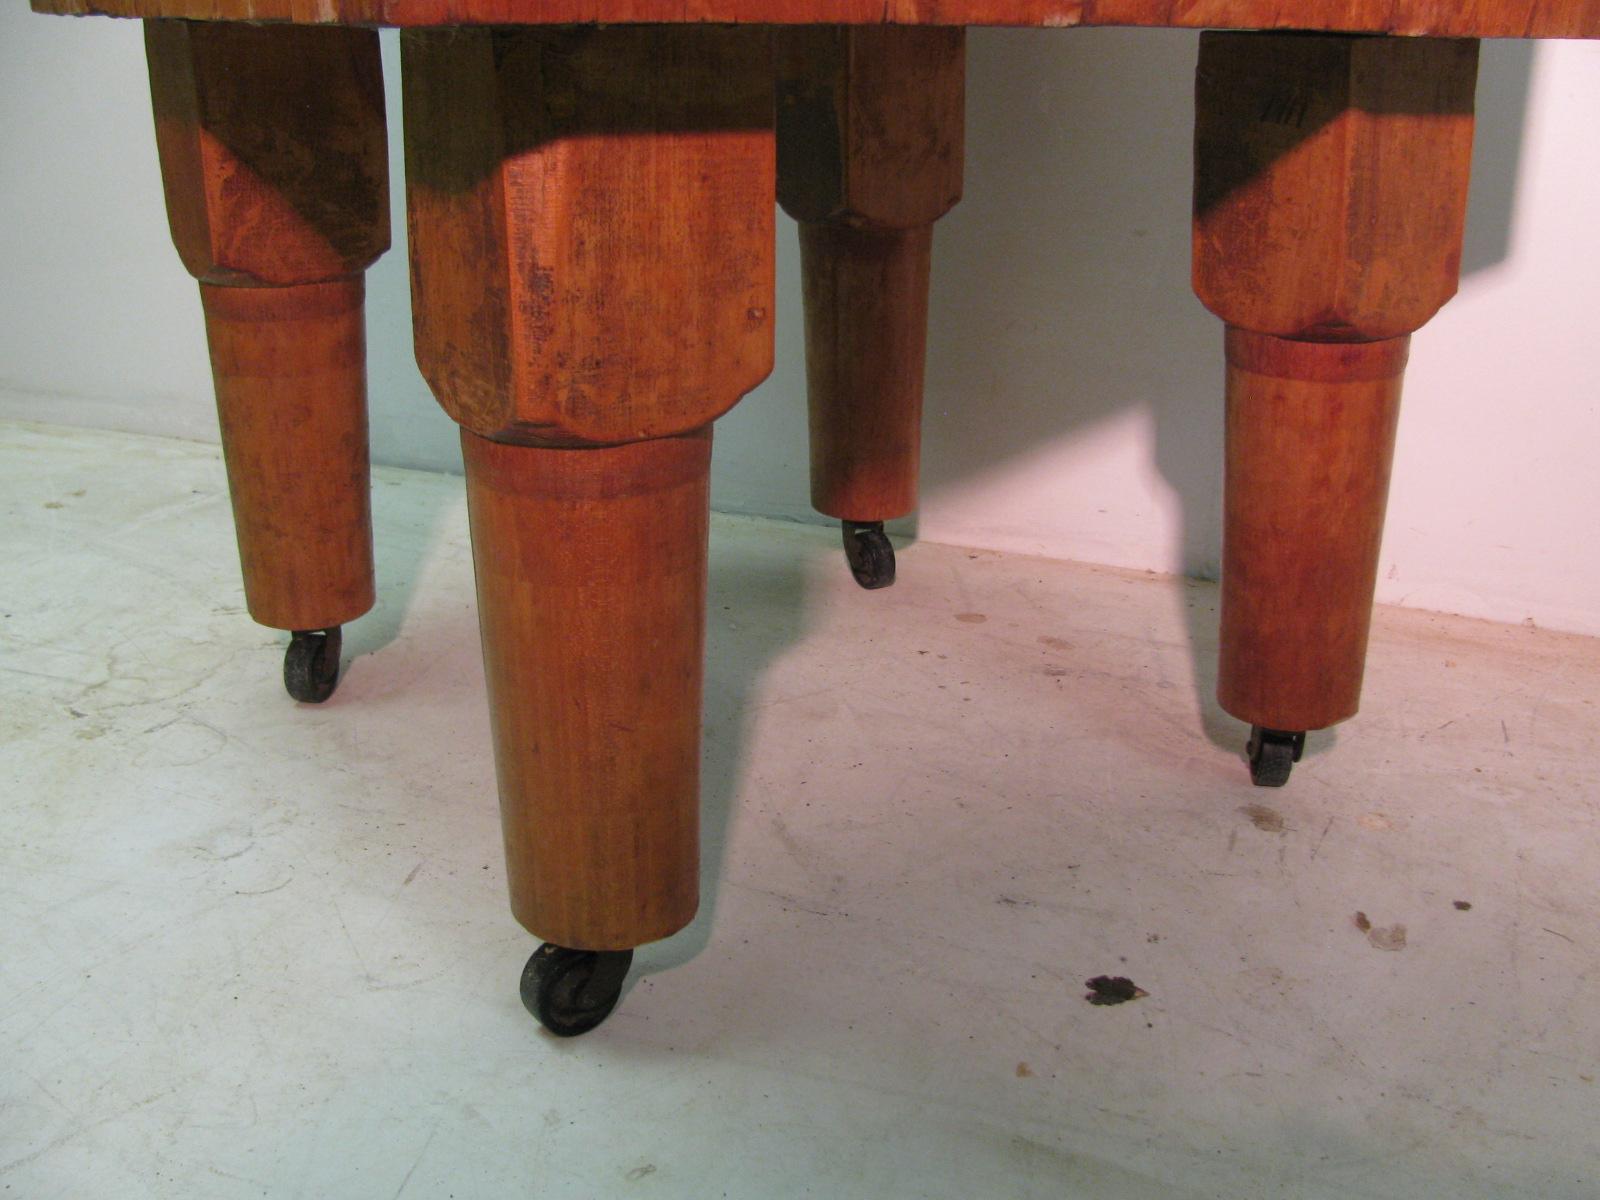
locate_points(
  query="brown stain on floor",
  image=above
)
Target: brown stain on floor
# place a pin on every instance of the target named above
(1381, 937)
(1268, 820)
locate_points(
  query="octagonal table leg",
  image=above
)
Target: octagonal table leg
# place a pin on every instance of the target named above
(1330, 200)
(273, 159)
(591, 254)
(870, 128)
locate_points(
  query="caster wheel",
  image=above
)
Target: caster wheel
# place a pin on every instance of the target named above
(1273, 753)
(572, 991)
(870, 554)
(311, 664)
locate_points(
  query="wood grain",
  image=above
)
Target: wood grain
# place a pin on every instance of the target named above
(289, 365)
(871, 124)
(592, 241)
(866, 306)
(591, 226)
(870, 154)
(274, 162)
(1331, 181)
(1310, 441)
(1437, 18)
(274, 155)
(1330, 194)
(591, 568)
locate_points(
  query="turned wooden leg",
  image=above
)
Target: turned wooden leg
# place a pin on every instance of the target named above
(591, 267)
(1310, 440)
(870, 128)
(273, 159)
(1330, 199)
(290, 376)
(591, 567)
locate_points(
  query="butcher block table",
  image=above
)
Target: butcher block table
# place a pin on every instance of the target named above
(590, 193)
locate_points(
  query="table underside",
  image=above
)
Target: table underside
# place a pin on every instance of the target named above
(1437, 18)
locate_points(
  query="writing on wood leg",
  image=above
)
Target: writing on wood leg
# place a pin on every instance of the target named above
(1330, 200)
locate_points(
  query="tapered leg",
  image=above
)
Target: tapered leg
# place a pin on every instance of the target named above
(1310, 440)
(290, 373)
(591, 568)
(870, 155)
(273, 158)
(1330, 198)
(866, 302)
(591, 258)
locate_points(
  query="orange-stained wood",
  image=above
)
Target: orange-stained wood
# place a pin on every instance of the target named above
(289, 366)
(591, 568)
(274, 161)
(866, 306)
(1330, 190)
(870, 151)
(273, 150)
(870, 124)
(1310, 440)
(591, 226)
(1330, 181)
(1439, 18)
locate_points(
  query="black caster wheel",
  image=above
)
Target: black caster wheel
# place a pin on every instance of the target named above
(1273, 753)
(311, 664)
(870, 554)
(572, 991)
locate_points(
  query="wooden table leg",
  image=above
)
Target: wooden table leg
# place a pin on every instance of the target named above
(591, 254)
(1330, 200)
(273, 156)
(870, 124)
(591, 568)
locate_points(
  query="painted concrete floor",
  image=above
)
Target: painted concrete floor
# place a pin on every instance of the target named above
(251, 948)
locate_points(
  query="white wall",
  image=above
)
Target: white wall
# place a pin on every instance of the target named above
(1073, 382)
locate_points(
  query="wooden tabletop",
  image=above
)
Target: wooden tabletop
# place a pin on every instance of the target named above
(1440, 18)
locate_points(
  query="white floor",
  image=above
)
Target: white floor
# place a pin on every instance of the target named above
(252, 948)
